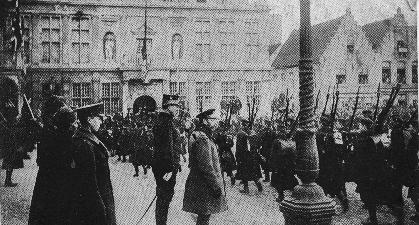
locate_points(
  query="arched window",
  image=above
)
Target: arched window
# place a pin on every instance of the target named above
(109, 46)
(177, 46)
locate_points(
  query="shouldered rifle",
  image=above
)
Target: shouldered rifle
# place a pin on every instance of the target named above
(317, 102)
(287, 99)
(327, 101)
(29, 107)
(334, 109)
(333, 98)
(378, 102)
(253, 111)
(351, 121)
(384, 113)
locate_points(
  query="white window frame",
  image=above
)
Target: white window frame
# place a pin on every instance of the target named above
(84, 97)
(111, 97)
(78, 28)
(203, 94)
(50, 41)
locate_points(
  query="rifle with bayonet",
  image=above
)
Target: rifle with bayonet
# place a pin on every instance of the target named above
(384, 113)
(351, 121)
(334, 108)
(317, 102)
(377, 104)
(327, 101)
(287, 99)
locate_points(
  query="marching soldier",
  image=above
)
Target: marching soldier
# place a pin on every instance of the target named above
(413, 169)
(331, 152)
(268, 137)
(13, 143)
(166, 157)
(94, 200)
(282, 164)
(142, 149)
(225, 143)
(203, 189)
(248, 166)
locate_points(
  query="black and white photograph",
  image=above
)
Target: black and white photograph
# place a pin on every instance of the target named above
(209, 112)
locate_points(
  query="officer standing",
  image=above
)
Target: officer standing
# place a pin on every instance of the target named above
(166, 158)
(225, 143)
(268, 137)
(203, 189)
(94, 200)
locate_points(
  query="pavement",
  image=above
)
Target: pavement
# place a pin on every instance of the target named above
(133, 195)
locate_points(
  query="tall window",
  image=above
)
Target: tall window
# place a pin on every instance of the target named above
(253, 91)
(402, 49)
(341, 78)
(363, 78)
(252, 40)
(51, 39)
(80, 40)
(415, 72)
(202, 40)
(228, 90)
(386, 73)
(179, 88)
(227, 40)
(81, 94)
(203, 95)
(401, 72)
(111, 97)
(26, 24)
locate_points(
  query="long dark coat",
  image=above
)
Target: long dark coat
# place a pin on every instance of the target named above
(142, 153)
(228, 162)
(52, 194)
(282, 163)
(331, 176)
(13, 146)
(204, 178)
(267, 139)
(94, 201)
(248, 163)
(413, 167)
(374, 174)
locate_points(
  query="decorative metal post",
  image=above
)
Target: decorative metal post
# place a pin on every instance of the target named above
(308, 203)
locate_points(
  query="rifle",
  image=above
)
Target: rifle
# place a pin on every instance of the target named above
(293, 127)
(351, 121)
(317, 102)
(327, 101)
(384, 113)
(333, 99)
(378, 102)
(334, 108)
(253, 111)
(287, 99)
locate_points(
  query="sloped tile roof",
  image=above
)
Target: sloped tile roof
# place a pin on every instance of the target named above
(322, 34)
(272, 48)
(376, 31)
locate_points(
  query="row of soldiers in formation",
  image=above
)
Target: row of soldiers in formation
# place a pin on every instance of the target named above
(379, 164)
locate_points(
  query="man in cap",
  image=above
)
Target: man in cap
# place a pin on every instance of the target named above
(204, 186)
(94, 193)
(53, 187)
(248, 167)
(267, 138)
(225, 143)
(166, 158)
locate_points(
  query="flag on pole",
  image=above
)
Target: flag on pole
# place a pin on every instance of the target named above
(144, 49)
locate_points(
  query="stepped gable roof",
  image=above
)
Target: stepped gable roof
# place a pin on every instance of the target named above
(376, 31)
(322, 34)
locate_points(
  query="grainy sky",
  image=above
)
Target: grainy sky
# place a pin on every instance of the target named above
(364, 11)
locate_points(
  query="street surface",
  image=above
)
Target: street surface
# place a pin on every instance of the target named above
(133, 195)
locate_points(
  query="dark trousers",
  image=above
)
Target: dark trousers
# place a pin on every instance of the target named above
(164, 191)
(203, 220)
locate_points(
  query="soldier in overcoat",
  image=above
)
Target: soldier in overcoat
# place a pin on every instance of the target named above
(204, 186)
(413, 169)
(282, 164)
(225, 144)
(142, 149)
(94, 202)
(267, 139)
(166, 156)
(248, 165)
(51, 199)
(13, 143)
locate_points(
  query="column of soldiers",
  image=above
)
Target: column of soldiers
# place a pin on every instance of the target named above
(379, 154)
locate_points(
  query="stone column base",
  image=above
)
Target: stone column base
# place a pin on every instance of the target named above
(308, 205)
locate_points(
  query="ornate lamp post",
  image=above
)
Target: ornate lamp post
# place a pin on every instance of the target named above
(308, 203)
